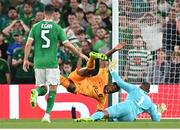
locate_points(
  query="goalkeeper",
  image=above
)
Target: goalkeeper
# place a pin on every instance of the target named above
(81, 82)
(136, 103)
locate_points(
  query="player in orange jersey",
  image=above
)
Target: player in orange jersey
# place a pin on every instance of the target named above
(82, 82)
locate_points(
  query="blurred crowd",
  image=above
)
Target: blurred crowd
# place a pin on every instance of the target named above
(150, 28)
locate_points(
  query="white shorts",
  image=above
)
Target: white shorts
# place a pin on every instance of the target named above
(47, 76)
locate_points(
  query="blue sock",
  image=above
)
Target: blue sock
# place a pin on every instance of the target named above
(97, 115)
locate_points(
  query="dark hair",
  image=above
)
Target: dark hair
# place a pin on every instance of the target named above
(12, 8)
(67, 63)
(118, 88)
(147, 84)
(49, 9)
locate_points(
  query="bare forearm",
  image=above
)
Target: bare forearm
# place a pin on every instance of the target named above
(110, 52)
(27, 51)
(72, 48)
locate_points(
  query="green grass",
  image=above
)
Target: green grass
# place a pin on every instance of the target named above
(80, 125)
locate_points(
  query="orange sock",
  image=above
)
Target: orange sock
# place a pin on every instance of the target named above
(91, 63)
(64, 81)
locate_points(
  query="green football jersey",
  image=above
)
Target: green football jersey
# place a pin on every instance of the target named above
(46, 35)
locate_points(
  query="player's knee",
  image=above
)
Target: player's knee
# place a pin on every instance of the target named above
(44, 88)
(71, 89)
(52, 87)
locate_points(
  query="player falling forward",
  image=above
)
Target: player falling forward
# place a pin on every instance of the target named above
(81, 82)
(136, 103)
(45, 36)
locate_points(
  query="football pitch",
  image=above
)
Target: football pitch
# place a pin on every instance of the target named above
(69, 124)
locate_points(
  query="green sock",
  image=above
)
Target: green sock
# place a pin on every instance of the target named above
(50, 101)
(41, 91)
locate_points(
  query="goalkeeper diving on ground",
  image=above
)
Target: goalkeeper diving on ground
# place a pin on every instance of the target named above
(136, 102)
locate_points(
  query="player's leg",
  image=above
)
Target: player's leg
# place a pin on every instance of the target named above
(121, 111)
(70, 86)
(41, 89)
(89, 69)
(52, 79)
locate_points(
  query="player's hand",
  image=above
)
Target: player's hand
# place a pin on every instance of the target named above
(112, 64)
(26, 65)
(120, 46)
(83, 57)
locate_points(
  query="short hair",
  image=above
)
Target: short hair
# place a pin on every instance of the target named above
(146, 84)
(68, 62)
(49, 9)
(118, 88)
(12, 8)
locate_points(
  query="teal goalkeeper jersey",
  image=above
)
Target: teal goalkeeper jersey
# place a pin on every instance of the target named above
(138, 98)
(46, 35)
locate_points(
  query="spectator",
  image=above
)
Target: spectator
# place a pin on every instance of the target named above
(82, 36)
(89, 17)
(163, 8)
(81, 18)
(66, 68)
(27, 14)
(22, 77)
(104, 11)
(138, 61)
(86, 6)
(99, 21)
(72, 9)
(3, 46)
(92, 30)
(3, 17)
(13, 46)
(125, 31)
(4, 71)
(6, 4)
(36, 4)
(174, 73)
(159, 68)
(171, 33)
(107, 2)
(39, 16)
(101, 32)
(151, 31)
(16, 27)
(57, 4)
(86, 48)
(12, 15)
(57, 18)
(107, 45)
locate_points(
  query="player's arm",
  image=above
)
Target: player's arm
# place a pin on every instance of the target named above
(27, 52)
(155, 116)
(67, 44)
(74, 50)
(120, 82)
(116, 48)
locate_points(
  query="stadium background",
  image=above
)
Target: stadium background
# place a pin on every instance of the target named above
(14, 98)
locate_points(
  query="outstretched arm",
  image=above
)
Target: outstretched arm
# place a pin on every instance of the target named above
(122, 84)
(116, 48)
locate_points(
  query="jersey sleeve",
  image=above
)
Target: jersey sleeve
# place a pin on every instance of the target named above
(126, 86)
(62, 36)
(153, 113)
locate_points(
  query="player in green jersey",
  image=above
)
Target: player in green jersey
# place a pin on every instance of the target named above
(45, 36)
